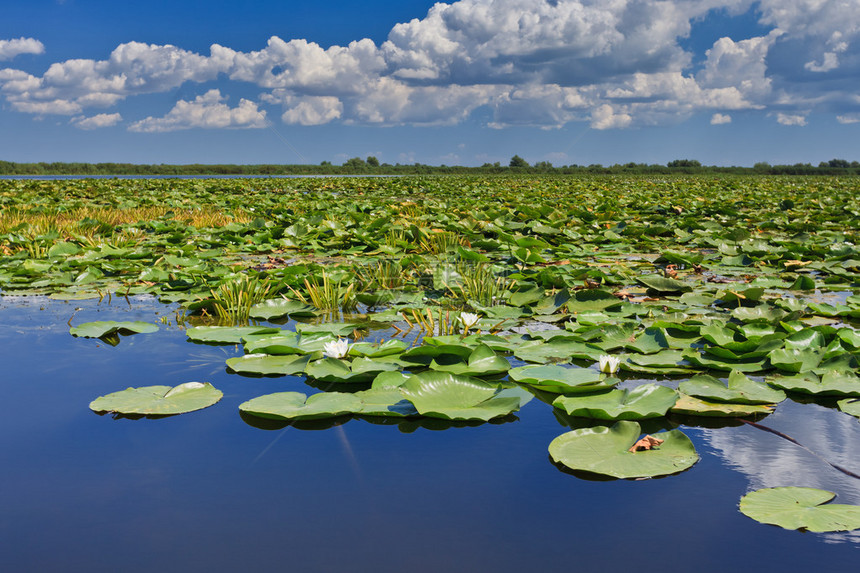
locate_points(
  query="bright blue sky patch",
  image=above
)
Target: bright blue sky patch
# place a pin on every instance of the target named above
(727, 82)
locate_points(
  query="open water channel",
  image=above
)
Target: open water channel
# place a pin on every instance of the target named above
(210, 491)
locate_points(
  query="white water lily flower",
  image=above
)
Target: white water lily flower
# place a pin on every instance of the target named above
(469, 319)
(609, 364)
(336, 348)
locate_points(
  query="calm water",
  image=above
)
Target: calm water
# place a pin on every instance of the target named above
(208, 491)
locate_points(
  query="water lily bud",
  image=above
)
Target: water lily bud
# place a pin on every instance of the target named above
(609, 364)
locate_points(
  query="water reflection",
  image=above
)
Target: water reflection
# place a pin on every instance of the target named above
(770, 461)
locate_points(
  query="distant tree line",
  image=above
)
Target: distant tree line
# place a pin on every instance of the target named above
(372, 166)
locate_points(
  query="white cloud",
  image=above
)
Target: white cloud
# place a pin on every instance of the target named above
(132, 68)
(11, 48)
(830, 62)
(848, 118)
(790, 119)
(613, 63)
(206, 111)
(605, 117)
(720, 119)
(312, 110)
(97, 121)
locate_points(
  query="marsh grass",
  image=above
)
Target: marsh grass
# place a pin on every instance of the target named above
(478, 283)
(234, 299)
(440, 242)
(98, 220)
(384, 274)
(328, 295)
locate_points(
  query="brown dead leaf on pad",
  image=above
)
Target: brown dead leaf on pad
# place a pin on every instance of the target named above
(649, 442)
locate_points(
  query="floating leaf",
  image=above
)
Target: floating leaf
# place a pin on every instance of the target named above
(104, 328)
(277, 308)
(831, 383)
(795, 360)
(265, 364)
(645, 401)
(342, 371)
(739, 389)
(850, 406)
(690, 406)
(377, 350)
(159, 400)
(226, 334)
(800, 508)
(445, 395)
(481, 362)
(562, 379)
(663, 284)
(606, 451)
(297, 406)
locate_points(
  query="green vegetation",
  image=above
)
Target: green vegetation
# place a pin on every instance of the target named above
(409, 297)
(372, 166)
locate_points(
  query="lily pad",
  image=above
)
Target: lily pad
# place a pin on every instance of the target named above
(481, 362)
(645, 401)
(562, 379)
(803, 508)
(100, 329)
(377, 350)
(663, 284)
(298, 406)
(690, 406)
(277, 308)
(159, 400)
(451, 397)
(226, 334)
(345, 372)
(850, 406)
(831, 383)
(738, 389)
(266, 364)
(606, 451)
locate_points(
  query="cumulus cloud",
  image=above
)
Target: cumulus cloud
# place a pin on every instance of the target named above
(612, 64)
(720, 119)
(97, 121)
(790, 119)
(311, 110)
(11, 48)
(207, 111)
(606, 117)
(848, 119)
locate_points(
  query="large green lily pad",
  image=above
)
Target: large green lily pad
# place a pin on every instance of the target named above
(159, 400)
(645, 401)
(103, 328)
(226, 334)
(739, 389)
(483, 361)
(265, 364)
(800, 508)
(277, 308)
(452, 397)
(562, 379)
(831, 383)
(298, 406)
(345, 372)
(690, 406)
(606, 451)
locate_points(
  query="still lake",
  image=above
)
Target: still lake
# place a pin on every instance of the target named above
(209, 490)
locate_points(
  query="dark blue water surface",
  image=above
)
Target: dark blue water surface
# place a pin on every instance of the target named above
(207, 491)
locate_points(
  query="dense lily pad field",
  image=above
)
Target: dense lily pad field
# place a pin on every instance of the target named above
(628, 309)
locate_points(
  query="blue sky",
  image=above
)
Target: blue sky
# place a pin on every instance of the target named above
(727, 82)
